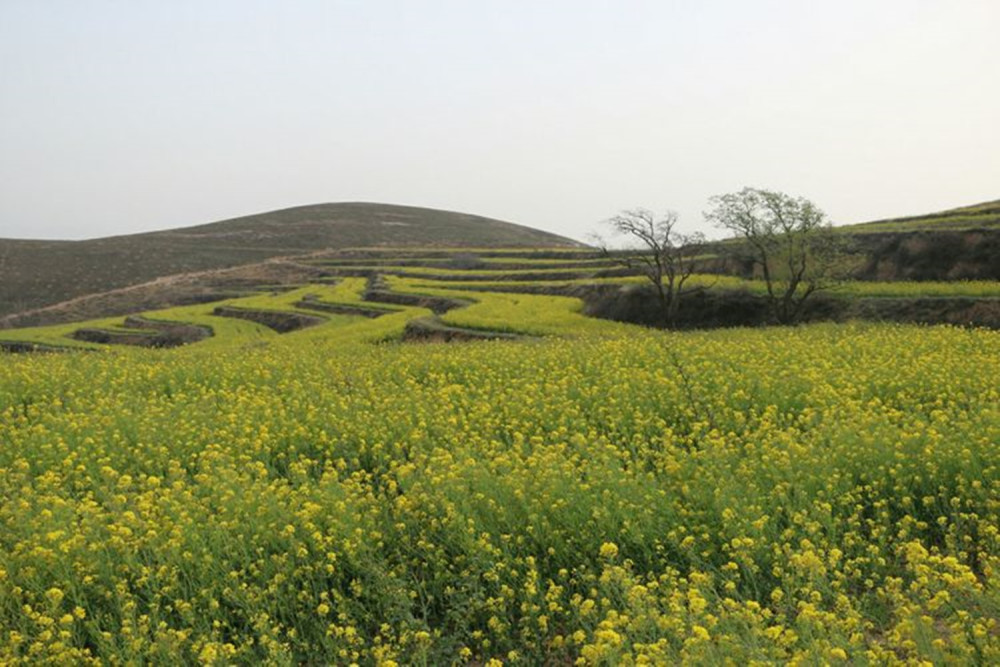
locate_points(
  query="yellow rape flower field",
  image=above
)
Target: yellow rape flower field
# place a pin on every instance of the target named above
(596, 494)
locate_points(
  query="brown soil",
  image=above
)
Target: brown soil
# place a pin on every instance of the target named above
(280, 321)
(437, 304)
(734, 308)
(161, 334)
(168, 291)
(23, 347)
(312, 303)
(966, 311)
(434, 331)
(944, 255)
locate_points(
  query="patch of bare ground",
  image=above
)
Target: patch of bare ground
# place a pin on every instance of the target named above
(35, 274)
(144, 332)
(739, 308)
(428, 330)
(168, 291)
(927, 255)
(437, 304)
(279, 320)
(963, 311)
(25, 347)
(379, 292)
(312, 302)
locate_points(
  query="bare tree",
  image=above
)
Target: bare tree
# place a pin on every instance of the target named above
(665, 256)
(787, 238)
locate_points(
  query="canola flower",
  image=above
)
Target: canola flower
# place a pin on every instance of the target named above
(817, 495)
(983, 289)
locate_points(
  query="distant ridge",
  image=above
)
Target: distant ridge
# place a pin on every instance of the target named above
(38, 273)
(362, 224)
(984, 216)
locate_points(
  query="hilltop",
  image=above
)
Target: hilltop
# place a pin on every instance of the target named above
(34, 274)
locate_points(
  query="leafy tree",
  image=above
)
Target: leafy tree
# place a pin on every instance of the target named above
(665, 256)
(787, 238)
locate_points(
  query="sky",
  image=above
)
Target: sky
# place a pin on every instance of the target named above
(119, 117)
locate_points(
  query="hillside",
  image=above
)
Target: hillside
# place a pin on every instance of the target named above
(38, 273)
(984, 216)
(50, 282)
(958, 244)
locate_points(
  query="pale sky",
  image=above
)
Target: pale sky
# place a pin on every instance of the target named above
(118, 117)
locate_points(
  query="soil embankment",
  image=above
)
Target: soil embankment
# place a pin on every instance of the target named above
(144, 332)
(433, 331)
(926, 255)
(734, 308)
(311, 302)
(280, 321)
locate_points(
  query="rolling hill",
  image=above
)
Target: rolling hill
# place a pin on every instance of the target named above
(34, 274)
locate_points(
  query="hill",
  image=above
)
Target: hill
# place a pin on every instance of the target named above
(39, 273)
(984, 216)
(49, 282)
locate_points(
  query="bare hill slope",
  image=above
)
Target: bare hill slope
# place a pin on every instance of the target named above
(38, 273)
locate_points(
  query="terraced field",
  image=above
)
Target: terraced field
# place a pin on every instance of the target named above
(431, 457)
(494, 293)
(35, 274)
(358, 289)
(984, 216)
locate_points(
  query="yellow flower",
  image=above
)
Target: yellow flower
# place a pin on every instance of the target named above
(55, 596)
(609, 550)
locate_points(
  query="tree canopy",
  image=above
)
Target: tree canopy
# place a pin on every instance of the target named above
(787, 238)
